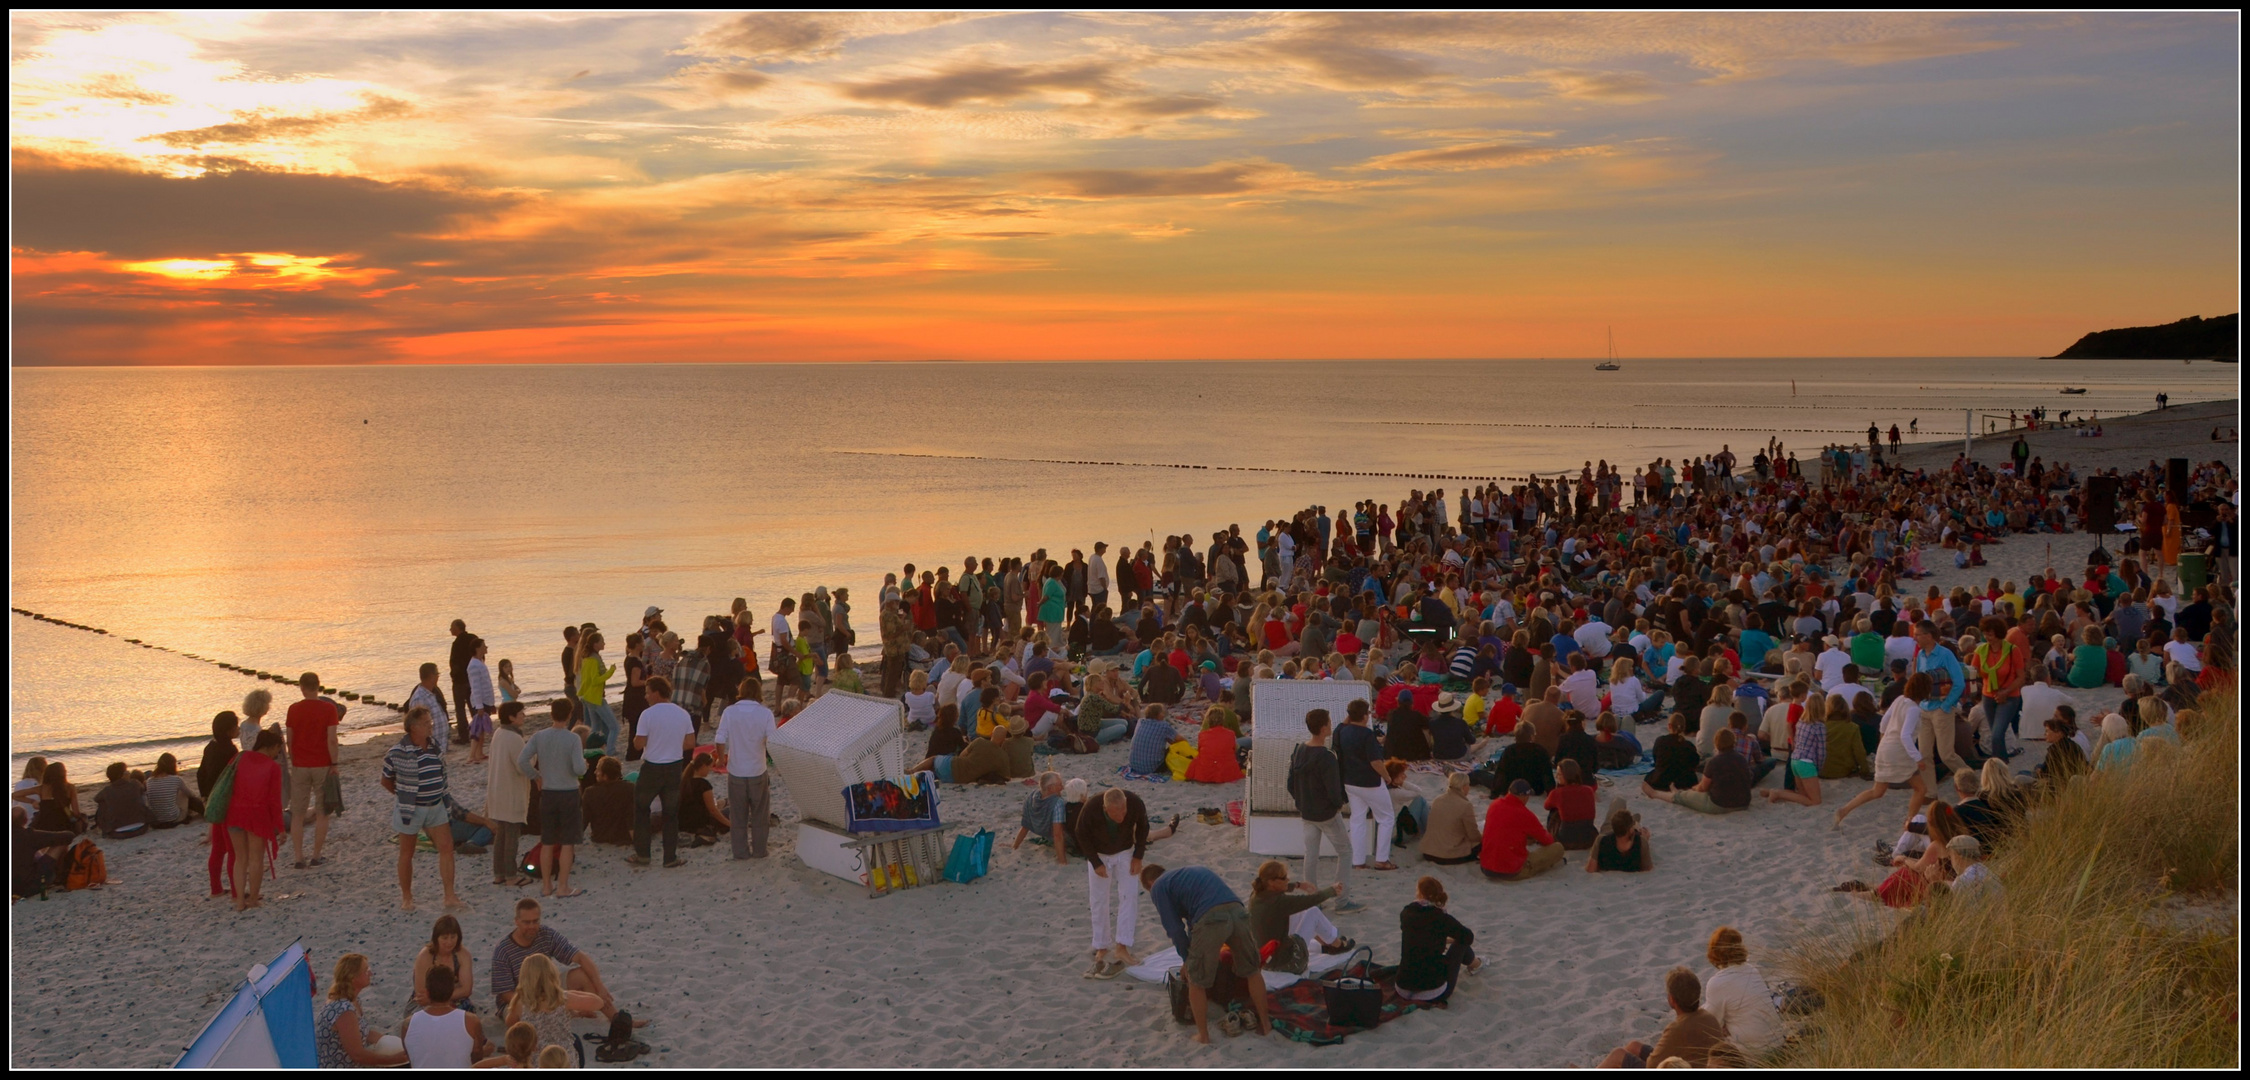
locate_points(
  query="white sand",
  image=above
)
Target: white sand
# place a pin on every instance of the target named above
(772, 964)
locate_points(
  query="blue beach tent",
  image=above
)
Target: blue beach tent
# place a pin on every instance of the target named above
(268, 1024)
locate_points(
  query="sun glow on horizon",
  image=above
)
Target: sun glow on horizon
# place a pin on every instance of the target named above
(1048, 185)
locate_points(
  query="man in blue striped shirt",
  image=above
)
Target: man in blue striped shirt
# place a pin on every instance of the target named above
(414, 770)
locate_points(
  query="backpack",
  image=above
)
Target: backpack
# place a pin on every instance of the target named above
(84, 867)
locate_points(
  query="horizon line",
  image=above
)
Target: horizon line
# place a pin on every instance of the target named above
(1065, 360)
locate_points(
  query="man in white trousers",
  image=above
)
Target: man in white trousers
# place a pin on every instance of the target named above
(1113, 836)
(1359, 755)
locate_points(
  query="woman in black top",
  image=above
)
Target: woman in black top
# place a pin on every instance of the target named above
(225, 727)
(1678, 766)
(1433, 947)
(1408, 738)
(1527, 761)
(700, 815)
(946, 737)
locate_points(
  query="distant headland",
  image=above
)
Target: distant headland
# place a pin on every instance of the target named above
(2192, 338)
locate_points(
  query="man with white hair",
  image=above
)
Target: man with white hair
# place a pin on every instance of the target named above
(1831, 663)
(1113, 835)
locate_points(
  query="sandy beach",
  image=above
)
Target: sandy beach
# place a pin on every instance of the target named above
(774, 964)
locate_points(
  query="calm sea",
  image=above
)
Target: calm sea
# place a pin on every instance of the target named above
(336, 519)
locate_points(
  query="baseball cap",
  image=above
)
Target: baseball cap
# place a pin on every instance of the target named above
(652, 612)
(1519, 787)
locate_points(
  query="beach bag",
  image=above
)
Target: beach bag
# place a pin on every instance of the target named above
(1353, 1000)
(222, 793)
(971, 857)
(621, 1045)
(1178, 758)
(84, 867)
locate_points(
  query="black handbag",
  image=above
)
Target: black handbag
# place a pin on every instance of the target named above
(1353, 1000)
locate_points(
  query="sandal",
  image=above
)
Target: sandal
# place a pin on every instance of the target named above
(317, 860)
(1340, 945)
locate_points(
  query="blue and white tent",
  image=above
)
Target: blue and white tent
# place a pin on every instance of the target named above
(268, 1024)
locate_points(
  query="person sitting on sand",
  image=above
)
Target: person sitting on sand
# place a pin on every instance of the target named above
(1286, 915)
(529, 937)
(981, 761)
(1694, 1035)
(1737, 995)
(518, 1049)
(1215, 761)
(1725, 785)
(1972, 879)
(1043, 816)
(1912, 875)
(609, 804)
(1576, 745)
(1510, 831)
(1525, 760)
(1613, 748)
(1675, 763)
(1201, 915)
(1570, 807)
(340, 1040)
(1807, 740)
(121, 808)
(1623, 845)
(442, 1035)
(1152, 740)
(541, 1002)
(1434, 947)
(701, 817)
(444, 950)
(170, 804)
(1453, 837)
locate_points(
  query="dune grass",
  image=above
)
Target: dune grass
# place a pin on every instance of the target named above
(2116, 943)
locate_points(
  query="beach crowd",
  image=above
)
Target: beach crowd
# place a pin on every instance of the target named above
(1686, 630)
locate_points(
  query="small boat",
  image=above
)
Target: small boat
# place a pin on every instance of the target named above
(1611, 363)
(2073, 389)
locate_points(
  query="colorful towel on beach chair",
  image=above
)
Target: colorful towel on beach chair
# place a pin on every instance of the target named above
(1300, 1010)
(1154, 777)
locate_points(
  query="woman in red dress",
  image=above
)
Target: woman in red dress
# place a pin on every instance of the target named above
(254, 815)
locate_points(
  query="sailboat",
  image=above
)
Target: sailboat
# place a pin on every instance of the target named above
(1611, 363)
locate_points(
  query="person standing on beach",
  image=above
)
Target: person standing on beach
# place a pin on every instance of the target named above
(666, 738)
(507, 795)
(1114, 839)
(743, 731)
(425, 695)
(312, 725)
(1097, 577)
(569, 698)
(464, 648)
(1316, 782)
(555, 759)
(414, 771)
(1359, 755)
(897, 635)
(481, 700)
(593, 690)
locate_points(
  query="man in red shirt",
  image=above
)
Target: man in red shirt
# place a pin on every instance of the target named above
(311, 725)
(1509, 829)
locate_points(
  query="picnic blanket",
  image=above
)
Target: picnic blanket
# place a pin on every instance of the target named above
(1154, 777)
(1158, 965)
(1300, 1010)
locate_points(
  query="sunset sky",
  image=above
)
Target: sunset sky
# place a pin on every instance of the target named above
(362, 188)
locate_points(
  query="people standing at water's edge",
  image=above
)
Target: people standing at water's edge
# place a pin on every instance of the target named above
(463, 650)
(554, 759)
(507, 795)
(666, 738)
(312, 724)
(425, 696)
